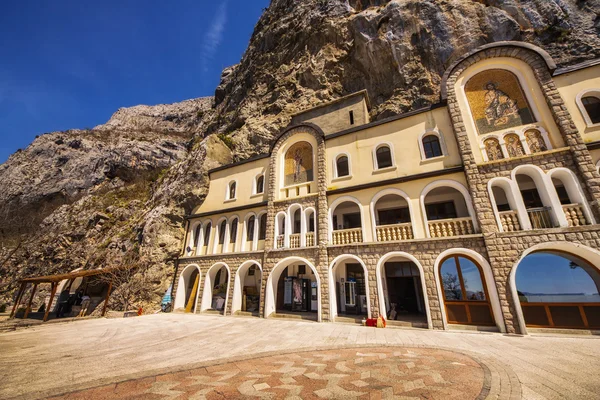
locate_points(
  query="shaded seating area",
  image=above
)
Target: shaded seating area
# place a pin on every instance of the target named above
(80, 293)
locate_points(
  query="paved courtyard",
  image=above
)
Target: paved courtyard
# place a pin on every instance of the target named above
(178, 356)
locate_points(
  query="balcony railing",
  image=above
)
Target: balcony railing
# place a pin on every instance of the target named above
(389, 233)
(310, 239)
(451, 227)
(294, 240)
(540, 217)
(510, 221)
(575, 215)
(280, 241)
(347, 236)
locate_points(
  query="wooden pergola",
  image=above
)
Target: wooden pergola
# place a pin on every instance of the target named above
(54, 280)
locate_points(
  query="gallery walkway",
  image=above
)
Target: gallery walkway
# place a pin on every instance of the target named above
(58, 358)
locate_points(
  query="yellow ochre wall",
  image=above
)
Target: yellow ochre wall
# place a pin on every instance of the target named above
(570, 86)
(403, 135)
(245, 176)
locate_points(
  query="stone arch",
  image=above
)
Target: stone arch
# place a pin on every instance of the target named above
(385, 192)
(208, 286)
(339, 201)
(573, 188)
(543, 184)
(379, 273)
(505, 46)
(183, 283)
(236, 300)
(272, 280)
(581, 251)
(455, 185)
(510, 189)
(332, 294)
(489, 281)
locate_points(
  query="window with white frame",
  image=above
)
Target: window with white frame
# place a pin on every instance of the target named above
(260, 184)
(342, 166)
(231, 190)
(591, 104)
(432, 146)
(383, 156)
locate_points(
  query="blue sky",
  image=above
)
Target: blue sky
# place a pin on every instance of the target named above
(71, 64)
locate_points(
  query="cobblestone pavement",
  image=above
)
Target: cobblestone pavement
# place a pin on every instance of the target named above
(160, 356)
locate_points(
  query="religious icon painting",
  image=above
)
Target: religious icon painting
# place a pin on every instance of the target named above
(497, 101)
(298, 164)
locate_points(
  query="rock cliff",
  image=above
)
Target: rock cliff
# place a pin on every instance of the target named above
(118, 193)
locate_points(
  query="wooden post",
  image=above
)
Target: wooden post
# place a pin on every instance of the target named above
(18, 299)
(54, 287)
(30, 300)
(106, 299)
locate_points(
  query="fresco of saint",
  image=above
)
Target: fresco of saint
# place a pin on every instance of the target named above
(497, 101)
(499, 106)
(298, 164)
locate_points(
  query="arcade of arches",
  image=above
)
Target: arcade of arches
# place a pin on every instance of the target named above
(555, 290)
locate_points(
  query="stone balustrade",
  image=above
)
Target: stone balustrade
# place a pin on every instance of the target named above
(280, 241)
(347, 236)
(574, 214)
(509, 221)
(451, 227)
(294, 240)
(310, 239)
(388, 233)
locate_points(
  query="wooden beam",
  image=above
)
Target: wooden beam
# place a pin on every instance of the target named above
(30, 300)
(18, 299)
(106, 299)
(54, 287)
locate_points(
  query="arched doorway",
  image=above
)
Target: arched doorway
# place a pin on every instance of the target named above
(216, 289)
(557, 289)
(293, 288)
(349, 283)
(246, 289)
(187, 289)
(464, 291)
(402, 292)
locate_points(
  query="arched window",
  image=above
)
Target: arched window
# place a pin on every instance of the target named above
(233, 231)
(465, 293)
(250, 228)
(260, 184)
(558, 290)
(384, 157)
(207, 233)
(296, 228)
(431, 146)
(342, 167)
(592, 108)
(197, 235)
(231, 191)
(222, 228)
(262, 231)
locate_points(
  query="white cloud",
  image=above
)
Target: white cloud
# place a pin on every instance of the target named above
(214, 36)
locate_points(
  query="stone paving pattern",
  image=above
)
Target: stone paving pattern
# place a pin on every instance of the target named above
(390, 372)
(55, 359)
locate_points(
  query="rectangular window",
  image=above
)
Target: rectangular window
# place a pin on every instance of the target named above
(351, 113)
(443, 210)
(351, 220)
(301, 269)
(394, 216)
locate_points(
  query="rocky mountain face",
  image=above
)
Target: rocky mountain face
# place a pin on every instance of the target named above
(118, 193)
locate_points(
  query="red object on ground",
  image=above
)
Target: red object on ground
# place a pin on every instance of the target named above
(140, 311)
(372, 322)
